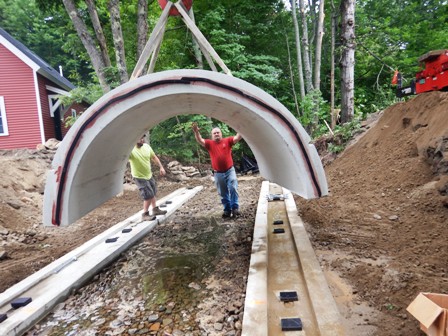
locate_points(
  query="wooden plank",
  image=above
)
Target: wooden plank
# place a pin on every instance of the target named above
(155, 54)
(206, 54)
(150, 45)
(201, 38)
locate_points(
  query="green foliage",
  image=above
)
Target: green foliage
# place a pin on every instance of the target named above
(70, 120)
(226, 26)
(48, 34)
(314, 111)
(343, 134)
(347, 130)
(333, 148)
(174, 137)
(393, 34)
(390, 306)
(88, 94)
(251, 37)
(369, 101)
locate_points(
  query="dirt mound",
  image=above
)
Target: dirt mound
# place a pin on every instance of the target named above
(21, 186)
(386, 218)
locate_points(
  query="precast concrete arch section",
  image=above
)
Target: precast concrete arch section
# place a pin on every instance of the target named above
(88, 167)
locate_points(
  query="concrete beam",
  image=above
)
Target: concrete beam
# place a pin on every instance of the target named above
(88, 167)
(255, 321)
(286, 262)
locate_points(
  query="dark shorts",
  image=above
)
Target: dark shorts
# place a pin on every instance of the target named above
(147, 188)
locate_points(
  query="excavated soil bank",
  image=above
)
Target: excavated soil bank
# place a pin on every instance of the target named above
(386, 218)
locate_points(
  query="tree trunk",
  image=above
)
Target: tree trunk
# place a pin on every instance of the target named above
(298, 48)
(333, 38)
(319, 37)
(142, 26)
(182, 131)
(348, 59)
(115, 22)
(314, 19)
(88, 42)
(291, 73)
(98, 31)
(196, 48)
(306, 48)
(312, 10)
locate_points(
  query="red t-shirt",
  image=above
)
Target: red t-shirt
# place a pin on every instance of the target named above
(220, 153)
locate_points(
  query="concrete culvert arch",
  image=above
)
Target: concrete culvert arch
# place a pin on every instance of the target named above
(89, 164)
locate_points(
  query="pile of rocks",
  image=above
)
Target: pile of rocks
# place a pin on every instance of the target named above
(8, 238)
(51, 144)
(182, 173)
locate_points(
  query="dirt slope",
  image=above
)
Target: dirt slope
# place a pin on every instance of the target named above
(386, 219)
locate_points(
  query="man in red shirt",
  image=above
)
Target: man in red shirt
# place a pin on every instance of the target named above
(220, 150)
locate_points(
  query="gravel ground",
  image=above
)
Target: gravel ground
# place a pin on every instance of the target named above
(186, 277)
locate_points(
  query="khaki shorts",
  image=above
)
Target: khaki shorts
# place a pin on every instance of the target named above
(147, 188)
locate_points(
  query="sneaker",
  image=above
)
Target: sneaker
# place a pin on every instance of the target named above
(226, 214)
(147, 217)
(235, 213)
(158, 212)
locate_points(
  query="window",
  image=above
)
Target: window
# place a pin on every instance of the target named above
(3, 123)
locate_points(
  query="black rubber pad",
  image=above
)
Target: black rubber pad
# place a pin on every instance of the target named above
(126, 230)
(290, 324)
(111, 240)
(279, 230)
(289, 296)
(278, 222)
(3, 317)
(20, 302)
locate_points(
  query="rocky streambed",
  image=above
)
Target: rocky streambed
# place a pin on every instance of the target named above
(186, 277)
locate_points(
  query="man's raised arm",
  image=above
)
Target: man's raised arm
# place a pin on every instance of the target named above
(197, 135)
(237, 138)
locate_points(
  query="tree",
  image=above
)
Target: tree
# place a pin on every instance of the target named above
(319, 38)
(89, 43)
(98, 31)
(306, 48)
(332, 52)
(142, 26)
(348, 59)
(252, 39)
(48, 35)
(298, 48)
(114, 9)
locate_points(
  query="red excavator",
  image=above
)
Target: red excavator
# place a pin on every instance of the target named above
(434, 76)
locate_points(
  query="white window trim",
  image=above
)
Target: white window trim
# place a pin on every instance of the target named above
(39, 108)
(3, 116)
(55, 99)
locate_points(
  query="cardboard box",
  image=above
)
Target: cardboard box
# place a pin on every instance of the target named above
(431, 310)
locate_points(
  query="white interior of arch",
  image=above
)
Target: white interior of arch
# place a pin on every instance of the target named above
(95, 151)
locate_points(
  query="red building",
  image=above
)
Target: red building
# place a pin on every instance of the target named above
(30, 108)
